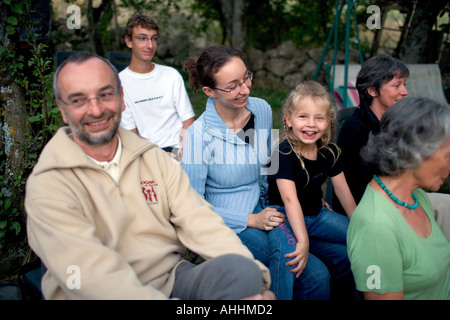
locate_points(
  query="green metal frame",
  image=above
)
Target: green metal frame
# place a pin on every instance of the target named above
(351, 8)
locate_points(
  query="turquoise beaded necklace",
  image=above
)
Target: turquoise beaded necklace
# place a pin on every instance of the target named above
(389, 193)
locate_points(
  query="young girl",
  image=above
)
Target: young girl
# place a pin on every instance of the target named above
(307, 157)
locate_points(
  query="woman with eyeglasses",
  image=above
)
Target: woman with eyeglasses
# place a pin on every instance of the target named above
(225, 155)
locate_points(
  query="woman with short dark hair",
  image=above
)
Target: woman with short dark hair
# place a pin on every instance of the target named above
(374, 74)
(380, 83)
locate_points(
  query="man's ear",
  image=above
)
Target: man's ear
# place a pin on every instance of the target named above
(121, 99)
(209, 92)
(63, 114)
(128, 42)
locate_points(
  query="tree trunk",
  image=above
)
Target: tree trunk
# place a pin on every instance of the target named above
(90, 45)
(234, 18)
(239, 29)
(14, 123)
(227, 11)
(421, 38)
(13, 143)
(96, 17)
(13, 116)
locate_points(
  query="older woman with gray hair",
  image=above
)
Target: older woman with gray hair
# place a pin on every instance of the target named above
(396, 249)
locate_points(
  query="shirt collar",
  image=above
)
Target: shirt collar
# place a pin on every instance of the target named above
(115, 160)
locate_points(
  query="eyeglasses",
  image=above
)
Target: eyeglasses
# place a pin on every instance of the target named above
(103, 98)
(144, 39)
(247, 80)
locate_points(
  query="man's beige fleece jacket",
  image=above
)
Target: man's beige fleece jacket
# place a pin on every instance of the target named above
(124, 240)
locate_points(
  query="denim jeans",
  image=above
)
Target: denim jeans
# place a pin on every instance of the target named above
(269, 247)
(327, 231)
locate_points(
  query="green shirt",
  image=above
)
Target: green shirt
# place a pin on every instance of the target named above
(387, 255)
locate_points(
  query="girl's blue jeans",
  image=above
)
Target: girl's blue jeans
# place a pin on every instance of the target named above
(327, 232)
(327, 257)
(270, 248)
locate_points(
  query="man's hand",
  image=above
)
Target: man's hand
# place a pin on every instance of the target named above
(265, 295)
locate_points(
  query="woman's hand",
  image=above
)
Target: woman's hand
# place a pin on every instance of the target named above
(300, 256)
(266, 220)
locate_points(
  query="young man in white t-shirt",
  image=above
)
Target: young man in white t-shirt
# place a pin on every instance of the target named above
(157, 105)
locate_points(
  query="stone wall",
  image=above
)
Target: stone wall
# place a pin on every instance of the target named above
(287, 65)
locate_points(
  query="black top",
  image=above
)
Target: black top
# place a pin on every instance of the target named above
(352, 137)
(248, 136)
(310, 195)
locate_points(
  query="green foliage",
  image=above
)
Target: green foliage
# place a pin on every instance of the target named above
(270, 22)
(266, 23)
(31, 70)
(9, 213)
(204, 13)
(160, 8)
(37, 82)
(275, 97)
(148, 5)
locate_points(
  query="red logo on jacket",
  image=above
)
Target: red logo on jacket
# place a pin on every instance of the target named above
(149, 191)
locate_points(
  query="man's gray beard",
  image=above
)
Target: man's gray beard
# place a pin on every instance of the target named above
(94, 141)
(97, 141)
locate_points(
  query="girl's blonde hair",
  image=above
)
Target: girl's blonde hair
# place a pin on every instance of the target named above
(316, 91)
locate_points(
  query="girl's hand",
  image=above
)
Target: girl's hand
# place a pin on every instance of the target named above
(300, 256)
(266, 220)
(325, 204)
